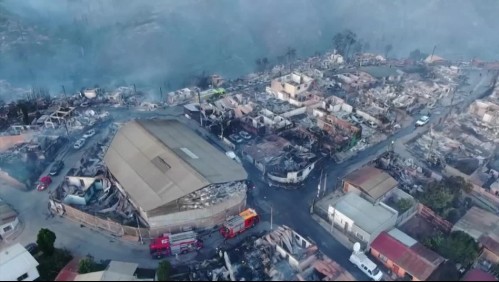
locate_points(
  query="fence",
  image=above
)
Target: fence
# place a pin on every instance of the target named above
(432, 217)
(74, 214)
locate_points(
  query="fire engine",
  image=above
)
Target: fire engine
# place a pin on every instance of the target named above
(173, 244)
(239, 223)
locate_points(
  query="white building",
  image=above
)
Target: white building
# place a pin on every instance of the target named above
(360, 218)
(8, 220)
(17, 264)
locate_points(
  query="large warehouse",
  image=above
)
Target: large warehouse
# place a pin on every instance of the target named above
(173, 177)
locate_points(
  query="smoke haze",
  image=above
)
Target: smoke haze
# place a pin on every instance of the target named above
(85, 42)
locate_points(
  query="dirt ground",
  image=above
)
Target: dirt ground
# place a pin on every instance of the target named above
(418, 227)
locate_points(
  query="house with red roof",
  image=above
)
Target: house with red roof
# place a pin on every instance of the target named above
(405, 256)
(478, 275)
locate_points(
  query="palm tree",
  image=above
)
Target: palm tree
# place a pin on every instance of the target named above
(265, 63)
(258, 63)
(339, 43)
(290, 55)
(350, 39)
(388, 48)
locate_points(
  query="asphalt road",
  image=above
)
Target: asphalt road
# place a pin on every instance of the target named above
(288, 207)
(291, 207)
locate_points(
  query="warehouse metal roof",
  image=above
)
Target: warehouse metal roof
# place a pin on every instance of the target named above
(159, 161)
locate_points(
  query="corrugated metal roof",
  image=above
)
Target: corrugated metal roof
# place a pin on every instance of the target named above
(478, 275)
(70, 271)
(135, 146)
(477, 223)
(402, 237)
(409, 259)
(372, 181)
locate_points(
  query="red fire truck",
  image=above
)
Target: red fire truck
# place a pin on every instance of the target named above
(239, 223)
(173, 244)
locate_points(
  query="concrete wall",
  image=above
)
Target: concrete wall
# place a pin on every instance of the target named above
(199, 218)
(84, 182)
(292, 177)
(295, 112)
(339, 219)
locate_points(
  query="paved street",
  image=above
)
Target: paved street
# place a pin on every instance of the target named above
(287, 207)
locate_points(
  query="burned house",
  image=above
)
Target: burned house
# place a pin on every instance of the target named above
(281, 255)
(280, 161)
(180, 96)
(290, 87)
(22, 163)
(61, 116)
(166, 172)
(343, 133)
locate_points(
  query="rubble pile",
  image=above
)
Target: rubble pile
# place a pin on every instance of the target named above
(212, 195)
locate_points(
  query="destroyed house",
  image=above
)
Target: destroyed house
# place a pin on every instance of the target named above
(289, 86)
(281, 255)
(166, 171)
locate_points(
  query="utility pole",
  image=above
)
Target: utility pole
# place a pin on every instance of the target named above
(432, 53)
(138, 228)
(200, 109)
(160, 94)
(271, 218)
(134, 89)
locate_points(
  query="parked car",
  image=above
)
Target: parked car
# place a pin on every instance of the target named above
(79, 143)
(43, 183)
(356, 118)
(371, 124)
(91, 123)
(245, 135)
(56, 167)
(84, 104)
(32, 248)
(89, 133)
(235, 138)
(422, 121)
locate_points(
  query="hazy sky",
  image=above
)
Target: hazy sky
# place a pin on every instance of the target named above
(86, 42)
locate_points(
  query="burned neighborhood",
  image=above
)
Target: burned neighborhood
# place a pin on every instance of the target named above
(358, 161)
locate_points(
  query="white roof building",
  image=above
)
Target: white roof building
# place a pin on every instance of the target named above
(17, 264)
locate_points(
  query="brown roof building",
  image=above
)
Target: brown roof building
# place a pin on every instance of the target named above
(372, 183)
(483, 226)
(158, 162)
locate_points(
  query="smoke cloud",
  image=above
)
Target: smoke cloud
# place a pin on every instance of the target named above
(80, 43)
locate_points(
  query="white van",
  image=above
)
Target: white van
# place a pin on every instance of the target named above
(365, 264)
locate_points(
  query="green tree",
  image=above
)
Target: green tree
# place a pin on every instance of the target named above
(290, 55)
(45, 241)
(350, 40)
(460, 247)
(388, 49)
(417, 55)
(87, 265)
(436, 196)
(403, 205)
(434, 242)
(164, 271)
(458, 184)
(339, 43)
